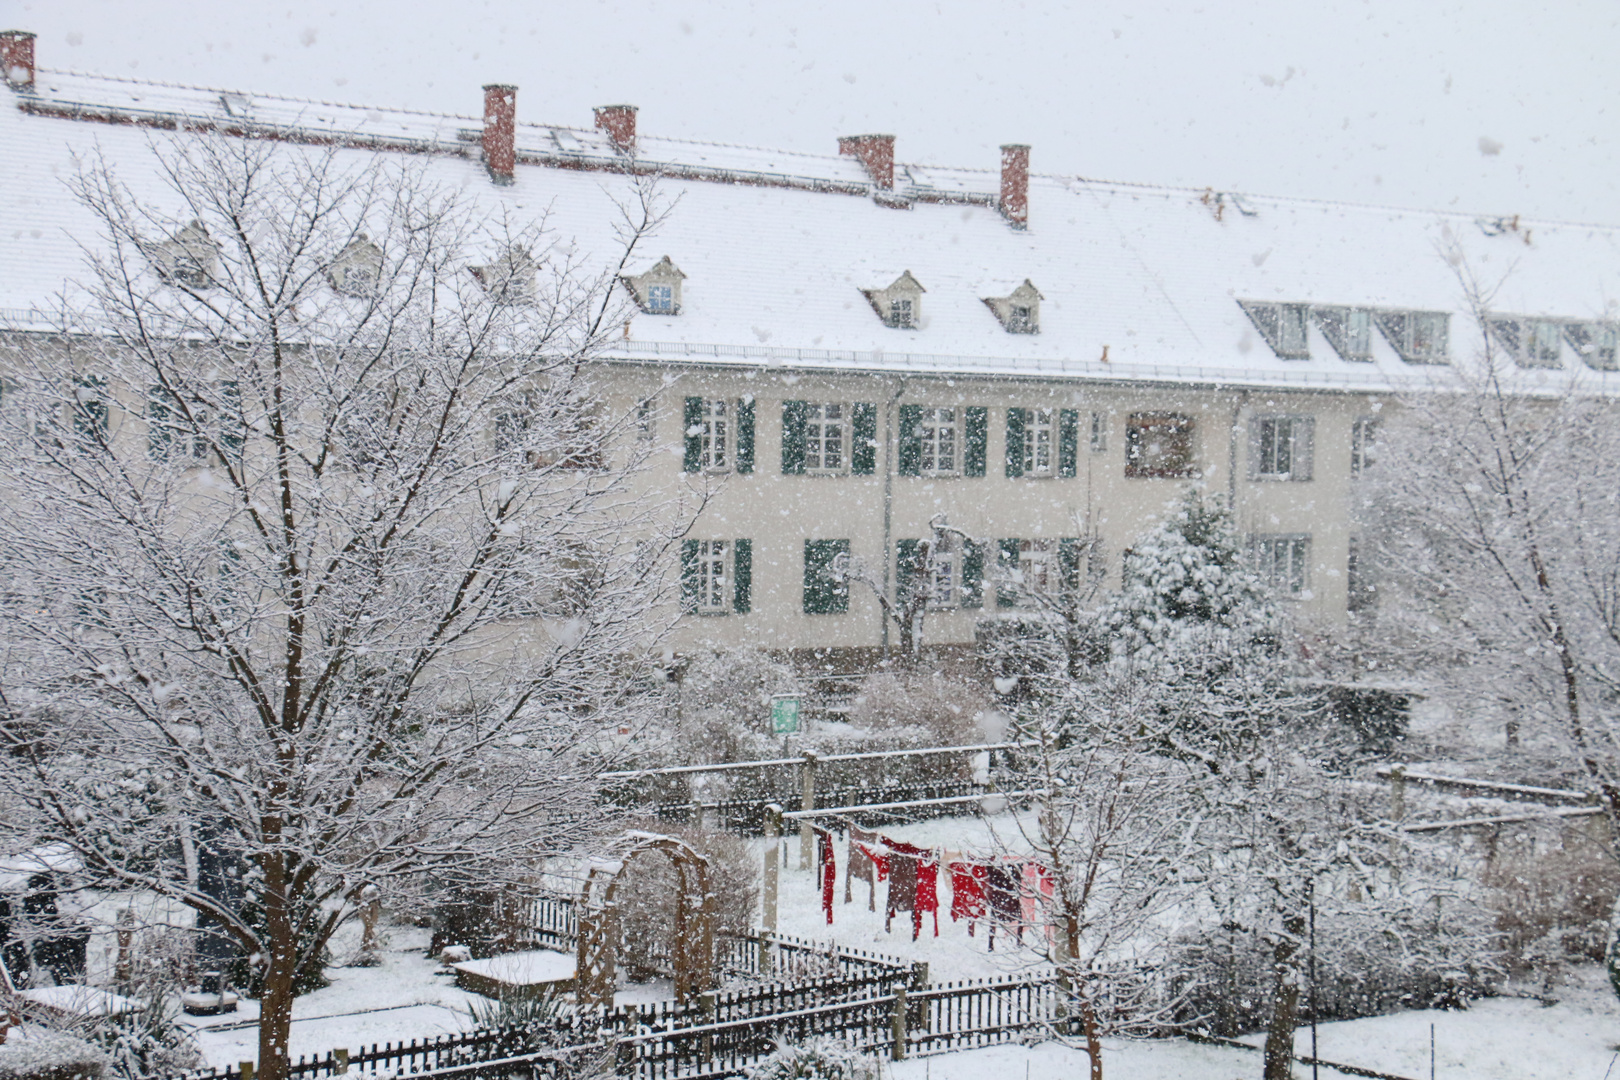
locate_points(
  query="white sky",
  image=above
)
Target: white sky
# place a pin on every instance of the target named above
(1384, 101)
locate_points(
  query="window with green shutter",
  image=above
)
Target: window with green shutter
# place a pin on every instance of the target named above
(694, 435)
(1068, 442)
(90, 414)
(910, 440)
(863, 439)
(976, 439)
(745, 435)
(742, 576)
(972, 574)
(690, 583)
(1069, 562)
(1015, 442)
(1006, 575)
(826, 590)
(793, 442)
(908, 570)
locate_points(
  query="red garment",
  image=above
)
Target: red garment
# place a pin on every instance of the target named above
(827, 866)
(967, 892)
(905, 887)
(927, 893)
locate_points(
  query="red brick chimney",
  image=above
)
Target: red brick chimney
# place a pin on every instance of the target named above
(500, 131)
(876, 153)
(1015, 184)
(17, 58)
(619, 121)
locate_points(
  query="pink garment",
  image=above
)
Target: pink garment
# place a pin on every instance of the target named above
(1031, 889)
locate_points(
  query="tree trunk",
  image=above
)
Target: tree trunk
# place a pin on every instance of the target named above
(276, 1002)
(1088, 1021)
(1285, 1000)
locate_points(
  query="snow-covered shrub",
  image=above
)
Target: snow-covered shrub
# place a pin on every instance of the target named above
(34, 1053)
(1553, 908)
(818, 1059)
(929, 707)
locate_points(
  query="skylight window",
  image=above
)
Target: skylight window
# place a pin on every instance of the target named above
(1348, 330)
(1533, 343)
(1419, 337)
(1596, 343)
(1282, 325)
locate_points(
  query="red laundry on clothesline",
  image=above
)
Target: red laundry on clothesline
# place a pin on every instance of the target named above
(967, 892)
(827, 867)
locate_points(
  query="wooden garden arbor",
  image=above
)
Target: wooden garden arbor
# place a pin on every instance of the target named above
(692, 948)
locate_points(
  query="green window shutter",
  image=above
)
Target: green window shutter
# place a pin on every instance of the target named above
(232, 425)
(1007, 562)
(972, 574)
(689, 575)
(793, 437)
(1068, 441)
(976, 435)
(863, 439)
(745, 435)
(910, 440)
(159, 435)
(1015, 442)
(1069, 562)
(824, 592)
(694, 442)
(905, 569)
(742, 576)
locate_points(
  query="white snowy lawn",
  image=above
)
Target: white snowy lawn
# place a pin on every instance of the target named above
(1503, 1038)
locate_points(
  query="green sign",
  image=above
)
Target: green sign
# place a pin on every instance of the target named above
(784, 716)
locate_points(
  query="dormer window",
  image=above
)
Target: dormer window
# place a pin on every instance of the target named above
(899, 305)
(509, 280)
(190, 259)
(1533, 343)
(1019, 311)
(1420, 337)
(357, 267)
(1348, 330)
(658, 290)
(1595, 342)
(1282, 325)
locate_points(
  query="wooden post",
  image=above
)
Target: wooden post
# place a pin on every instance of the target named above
(807, 828)
(370, 913)
(341, 1056)
(773, 865)
(709, 1003)
(898, 1052)
(919, 975)
(246, 1069)
(697, 814)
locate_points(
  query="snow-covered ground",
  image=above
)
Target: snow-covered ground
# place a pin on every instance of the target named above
(1507, 1038)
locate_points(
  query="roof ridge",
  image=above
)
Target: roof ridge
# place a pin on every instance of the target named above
(1066, 178)
(1350, 204)
(261, 94)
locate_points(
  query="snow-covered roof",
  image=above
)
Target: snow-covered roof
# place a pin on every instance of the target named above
(17, 870)
(1139, 283)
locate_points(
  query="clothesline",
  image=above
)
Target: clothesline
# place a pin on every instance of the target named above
(839, 811)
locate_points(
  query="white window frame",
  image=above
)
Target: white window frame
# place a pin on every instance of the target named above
(1040, 442)
(1099, 433)
(939, 434)
(660, 299)
(1363, 444)
(1038, 566)
(645, 411)
(902, 312)
(1283, 561)
(817, 425)
(714, 584)
(1277, 446)
(717, 435)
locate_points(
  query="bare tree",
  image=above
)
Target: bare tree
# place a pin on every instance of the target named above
(325, 561)
(1492, 526)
